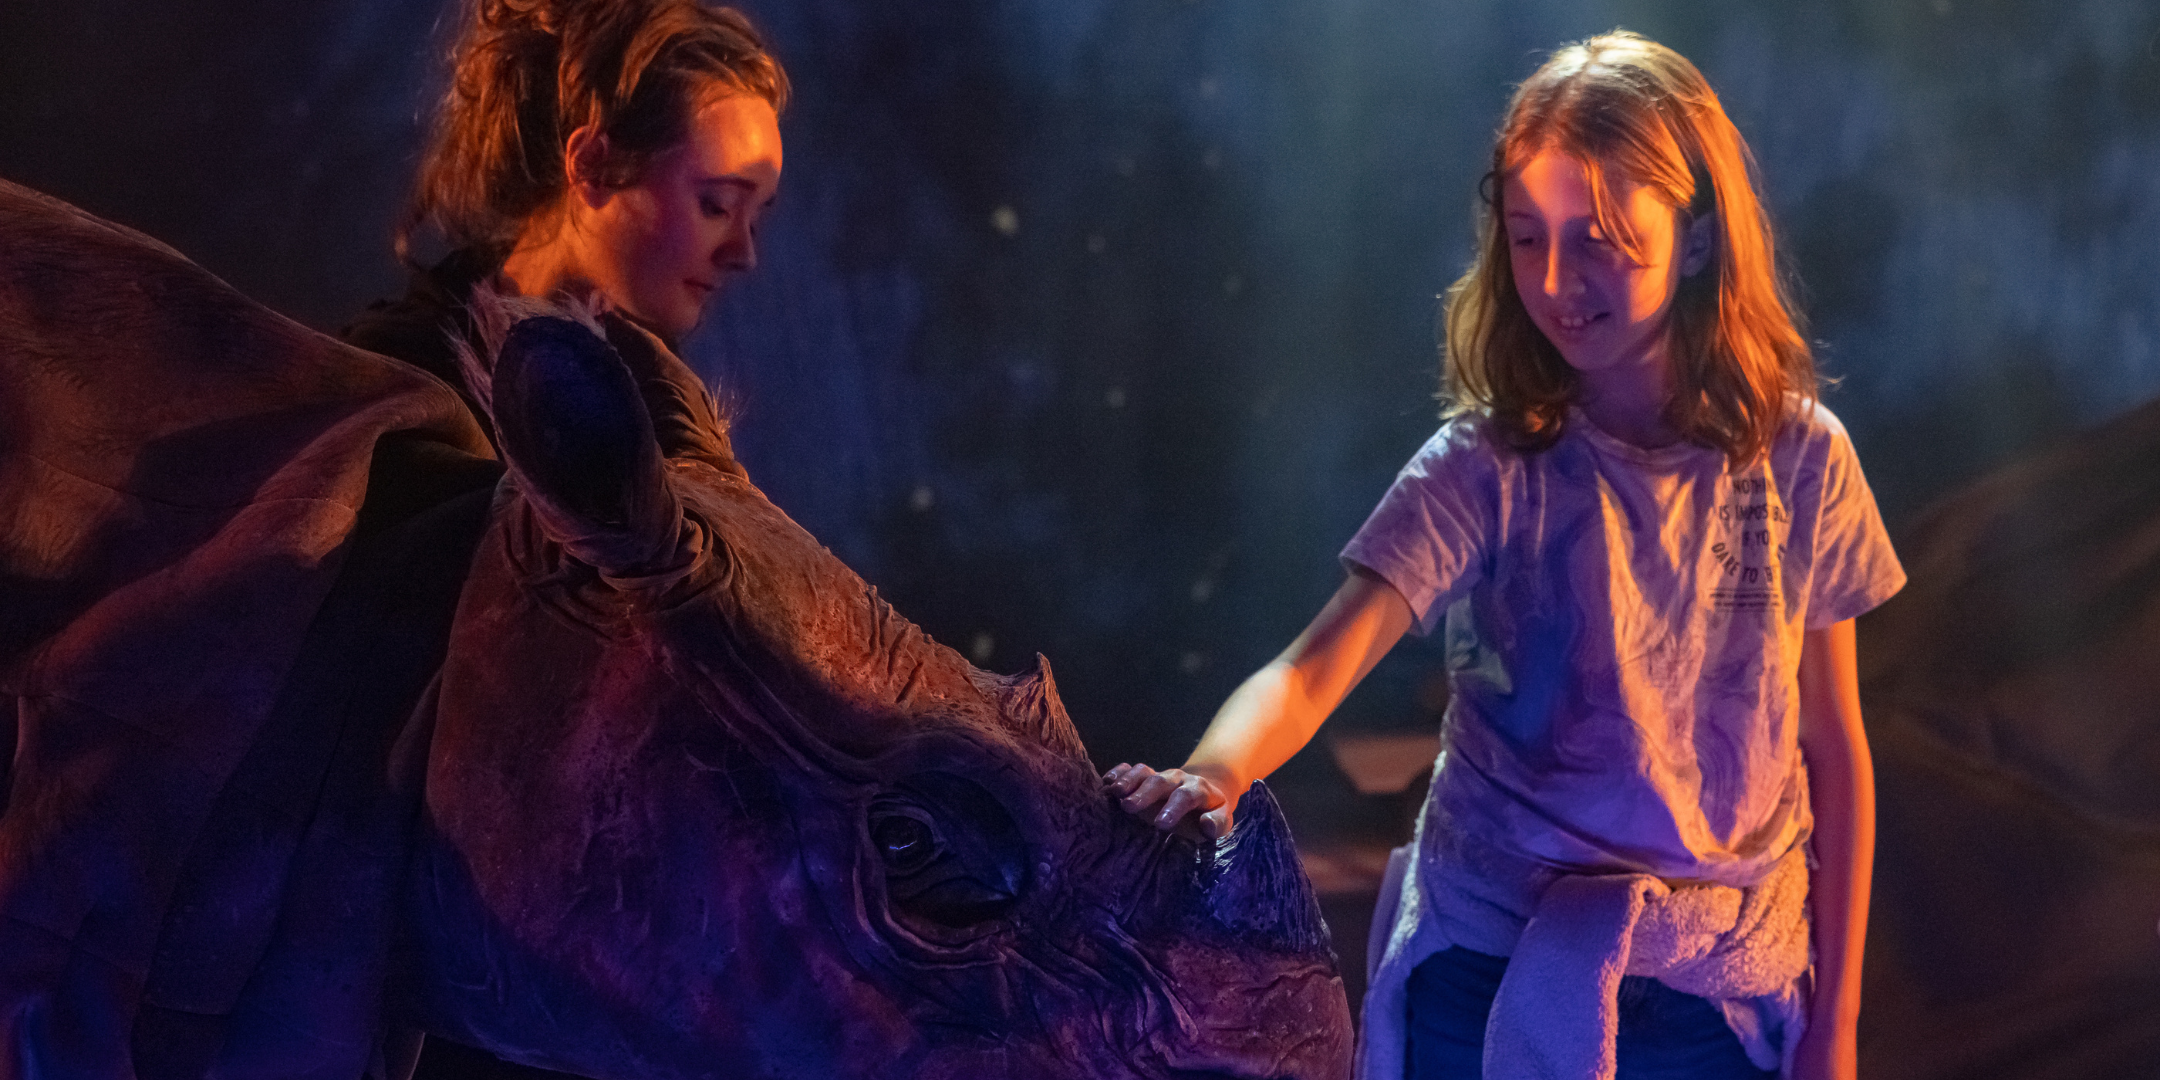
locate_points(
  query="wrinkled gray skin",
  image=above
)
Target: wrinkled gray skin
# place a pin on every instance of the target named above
(699, 803)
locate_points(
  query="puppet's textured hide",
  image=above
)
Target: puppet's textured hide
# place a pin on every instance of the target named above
(2012, 696)
(181, 480)
(673, 793)
(662, 829)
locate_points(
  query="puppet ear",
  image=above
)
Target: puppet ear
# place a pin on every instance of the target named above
(575, 433)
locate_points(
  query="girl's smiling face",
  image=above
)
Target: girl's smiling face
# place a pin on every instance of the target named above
(1602, 300)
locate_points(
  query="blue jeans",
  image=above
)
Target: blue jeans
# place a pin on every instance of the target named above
(1664, 1034)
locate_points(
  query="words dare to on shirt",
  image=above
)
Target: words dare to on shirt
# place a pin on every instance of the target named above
(1755, 525)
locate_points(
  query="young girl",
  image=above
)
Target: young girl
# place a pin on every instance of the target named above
(1646, 541)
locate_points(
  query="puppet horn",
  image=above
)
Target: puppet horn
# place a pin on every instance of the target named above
(1257, 889)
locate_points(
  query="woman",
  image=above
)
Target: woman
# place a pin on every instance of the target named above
(619, 152)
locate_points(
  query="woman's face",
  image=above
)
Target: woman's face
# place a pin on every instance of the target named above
(659, 249)
(1602, 308)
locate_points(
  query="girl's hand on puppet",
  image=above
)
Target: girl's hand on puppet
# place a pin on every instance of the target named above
(1194, 802)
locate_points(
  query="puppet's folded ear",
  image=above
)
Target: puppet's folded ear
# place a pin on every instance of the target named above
(574, 430)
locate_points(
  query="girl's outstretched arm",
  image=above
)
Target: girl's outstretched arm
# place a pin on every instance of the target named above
(1274, 713)
(1841, 786)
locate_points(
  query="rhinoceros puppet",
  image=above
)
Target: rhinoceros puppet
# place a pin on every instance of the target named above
(329, 731)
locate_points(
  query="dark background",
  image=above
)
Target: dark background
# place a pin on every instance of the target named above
(1095, 327)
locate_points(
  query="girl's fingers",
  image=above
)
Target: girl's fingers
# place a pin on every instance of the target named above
(1181, 801)
(1154, 789)
(1125, 778)
(1168, 798)
(1193, 794)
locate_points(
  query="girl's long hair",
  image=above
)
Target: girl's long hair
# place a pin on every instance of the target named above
(1631, 110)
(524, 74)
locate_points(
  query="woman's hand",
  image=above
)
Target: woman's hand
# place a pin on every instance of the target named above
(1197, 801)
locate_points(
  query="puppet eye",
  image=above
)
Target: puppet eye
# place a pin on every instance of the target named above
(951, 853)
(904, 840)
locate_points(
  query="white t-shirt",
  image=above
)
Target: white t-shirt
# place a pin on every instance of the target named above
(1623, 632)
